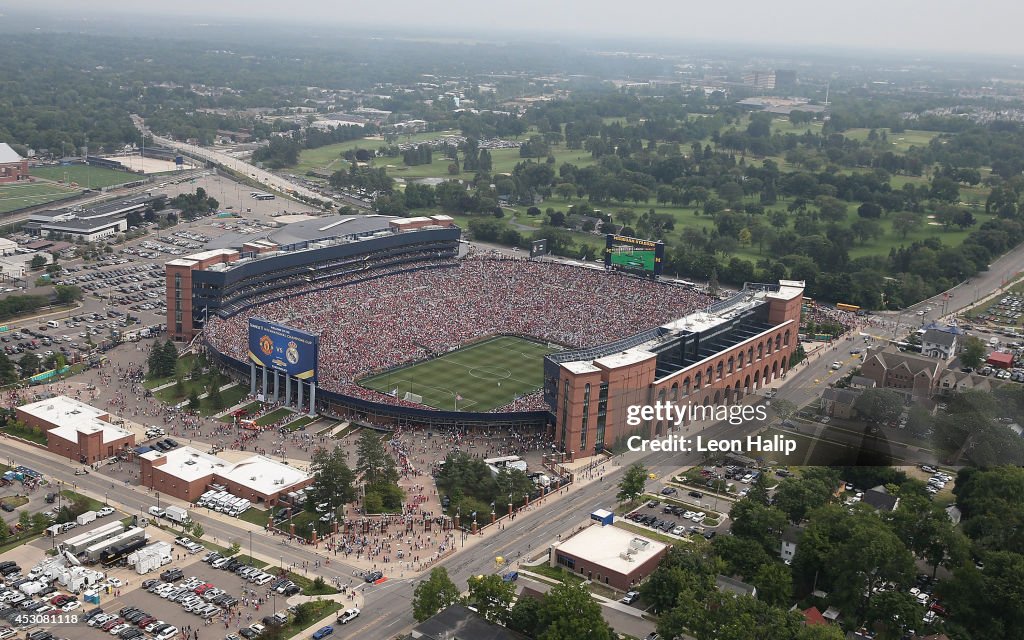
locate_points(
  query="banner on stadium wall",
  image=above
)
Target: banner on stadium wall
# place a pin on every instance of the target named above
(276, 346)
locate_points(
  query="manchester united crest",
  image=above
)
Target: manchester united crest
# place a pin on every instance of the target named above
(266, 345)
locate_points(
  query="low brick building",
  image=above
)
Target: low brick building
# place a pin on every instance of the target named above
(911, 374)
(609, 555)
(75, 430)
(186, 473)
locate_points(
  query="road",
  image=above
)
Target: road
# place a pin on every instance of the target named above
(388, 607)
(272, 181)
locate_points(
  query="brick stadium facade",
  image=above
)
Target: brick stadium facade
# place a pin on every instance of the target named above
(711, 357)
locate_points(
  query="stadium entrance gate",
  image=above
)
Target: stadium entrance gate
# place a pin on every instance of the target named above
(274, 389)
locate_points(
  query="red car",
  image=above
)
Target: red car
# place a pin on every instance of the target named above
(146, 620)
(107, 626)
(939, 609)
(59, 599)
(201, 588)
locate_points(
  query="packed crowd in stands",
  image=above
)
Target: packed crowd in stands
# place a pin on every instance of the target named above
(371, 325)
(822, 315)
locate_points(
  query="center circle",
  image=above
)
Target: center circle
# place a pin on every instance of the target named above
(490, 373)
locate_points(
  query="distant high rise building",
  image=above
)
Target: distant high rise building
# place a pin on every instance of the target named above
(764, 80)
(785, 78)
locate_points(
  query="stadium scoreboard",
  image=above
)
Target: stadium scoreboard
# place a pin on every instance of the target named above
(539, 248)
(282, 348)
(644, 257)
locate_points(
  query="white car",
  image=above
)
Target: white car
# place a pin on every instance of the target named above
(101, 619)
(116, 629)
(7, 632)
(71, 606)
(929, 617)
(115, 582)
(105, 511)
(700, 516)
(167, 633)
(348, 616)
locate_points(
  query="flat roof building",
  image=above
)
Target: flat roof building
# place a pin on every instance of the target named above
(609, 555)
(186, 473)
(76, 430)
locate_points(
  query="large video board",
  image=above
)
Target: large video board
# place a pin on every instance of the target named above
(644, 257)
(282, 348)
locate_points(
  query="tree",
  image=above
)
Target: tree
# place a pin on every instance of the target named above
(433, 594)
(973, 352)
(799, 496)
(492, 596)
(878, 405)
(905, 222)
(38, 261)
(193, 400)
(524, 617)
(373, 460)
(632, 484)
(894, 610)
(29, 364)
(68, 294)
(774, 583)
(198, 531)
(869, 210)
(568, 612)
(234, 548)
(332, 479)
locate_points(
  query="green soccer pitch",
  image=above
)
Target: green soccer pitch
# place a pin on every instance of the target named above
(485, 375)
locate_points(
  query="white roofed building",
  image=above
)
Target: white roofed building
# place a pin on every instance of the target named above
(186, 473)
(76, 430)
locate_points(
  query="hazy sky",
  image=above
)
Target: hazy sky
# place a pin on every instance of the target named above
(982, 26)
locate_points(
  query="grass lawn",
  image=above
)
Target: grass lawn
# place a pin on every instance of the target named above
(307, 586)
(329, 157)
(231, 397)
(255, 516)
(26, 433)
(85, 176)
(249, 408)
(14, 501)
(900, 142)
(555, 573)
(274, 416)
(478, 378)
(320, 610)
(93, 504)
(26, 194)
(298, 424)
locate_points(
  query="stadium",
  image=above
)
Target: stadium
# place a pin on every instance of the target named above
(406, 331)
